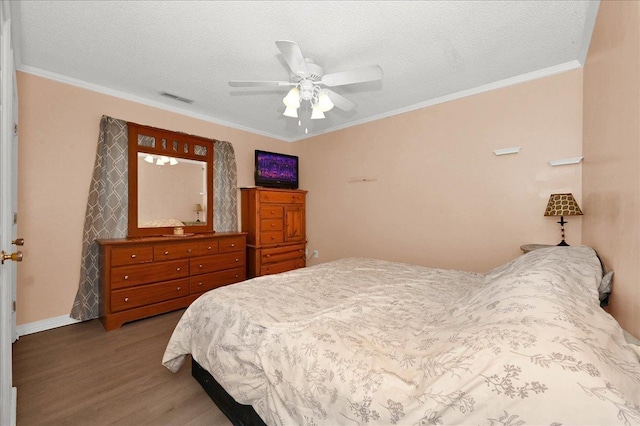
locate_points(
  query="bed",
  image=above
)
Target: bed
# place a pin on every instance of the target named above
(363, 341)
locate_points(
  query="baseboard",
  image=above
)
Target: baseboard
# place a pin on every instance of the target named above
(46, 324)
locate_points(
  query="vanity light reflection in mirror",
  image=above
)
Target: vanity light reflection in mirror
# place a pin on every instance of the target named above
(168, 188)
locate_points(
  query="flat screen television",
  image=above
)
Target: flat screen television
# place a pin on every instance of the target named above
(275, 170)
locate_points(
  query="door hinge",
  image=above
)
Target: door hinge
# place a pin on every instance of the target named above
(13, 305)
(15, 218)
(15, 129)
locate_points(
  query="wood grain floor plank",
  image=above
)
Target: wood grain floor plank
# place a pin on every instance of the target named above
(82, 375)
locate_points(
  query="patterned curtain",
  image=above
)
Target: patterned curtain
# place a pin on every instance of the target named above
(107, 209)
(225, 188)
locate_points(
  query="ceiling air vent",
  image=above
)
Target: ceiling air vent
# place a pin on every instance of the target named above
(176, 97)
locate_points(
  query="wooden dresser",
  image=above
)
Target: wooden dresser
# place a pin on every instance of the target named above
(274, 220)
(141, 277)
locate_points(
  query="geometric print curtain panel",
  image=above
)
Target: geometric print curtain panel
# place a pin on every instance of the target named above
(225, 188)
(106, 214)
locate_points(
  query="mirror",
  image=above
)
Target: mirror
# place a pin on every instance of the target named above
(171, 190)
(170, 182)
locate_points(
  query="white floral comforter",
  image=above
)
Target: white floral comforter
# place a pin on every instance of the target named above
(361, 341)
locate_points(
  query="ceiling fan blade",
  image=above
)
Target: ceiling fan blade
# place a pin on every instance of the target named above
(294, 58)
(340, 101)
(247, 83)
(358, 75)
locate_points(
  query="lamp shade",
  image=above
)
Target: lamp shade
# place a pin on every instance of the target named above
(324, 102)
(562, 205)
(291, 112)
(317, 113)
(197, 208)
(292, 100)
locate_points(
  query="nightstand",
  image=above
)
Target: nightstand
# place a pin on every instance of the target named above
(531, 247)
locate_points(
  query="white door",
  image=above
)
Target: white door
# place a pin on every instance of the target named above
(8, 210)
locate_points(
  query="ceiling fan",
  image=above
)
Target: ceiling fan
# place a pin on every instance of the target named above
(309, 83)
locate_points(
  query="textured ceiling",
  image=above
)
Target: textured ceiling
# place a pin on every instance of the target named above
(429, 51)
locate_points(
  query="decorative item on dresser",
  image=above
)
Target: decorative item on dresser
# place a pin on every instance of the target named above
(141, 277)
(274, 220)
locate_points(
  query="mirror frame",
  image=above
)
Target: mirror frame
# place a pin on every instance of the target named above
(186, 144)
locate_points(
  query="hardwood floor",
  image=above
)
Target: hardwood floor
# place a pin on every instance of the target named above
(82, 375)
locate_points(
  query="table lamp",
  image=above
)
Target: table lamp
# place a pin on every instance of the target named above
(197, 208)
(562, 205)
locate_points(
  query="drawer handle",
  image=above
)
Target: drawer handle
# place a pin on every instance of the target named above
(133, 256)
(237, 276)
(188, 250)
(178, 269)
(200, 284)
(237, 260)
(268, 255)
(126, 277)
(273, 212)
(273, 238)
(200, 265)
(233, 245)
(179, 288)
(166, 253)
(273, 225)
(126, 299)
(209, 248)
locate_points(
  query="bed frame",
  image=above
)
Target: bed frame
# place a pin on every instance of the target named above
(239, 414)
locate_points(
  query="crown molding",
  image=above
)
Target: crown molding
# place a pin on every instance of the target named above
(535, 75)
(137, 99)
(523, 78)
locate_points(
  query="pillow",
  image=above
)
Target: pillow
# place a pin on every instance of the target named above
(604, 289)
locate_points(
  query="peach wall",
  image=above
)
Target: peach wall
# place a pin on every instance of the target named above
(59, 126)
(442, 198)
(611, 176)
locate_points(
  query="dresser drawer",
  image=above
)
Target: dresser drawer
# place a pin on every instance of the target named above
(147, 294)
(206, 282)
(278, 254)
(271, 237)
(231, 244)
(284, 266)
(207, 247)
(174, 251)
(271, 212)
(267, 225)
(218, 262)
(131, 255)
(128, 276)
(281, 197)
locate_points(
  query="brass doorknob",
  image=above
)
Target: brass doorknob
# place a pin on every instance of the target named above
(18, 242)
(16, 257)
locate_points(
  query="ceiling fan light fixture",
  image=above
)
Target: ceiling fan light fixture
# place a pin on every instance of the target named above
(291, 112)
(324, 102)
(317, 113)
(173, 161)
